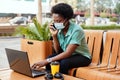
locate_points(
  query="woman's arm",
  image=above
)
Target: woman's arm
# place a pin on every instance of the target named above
(70, 49)
(56, 44)
(54, 33)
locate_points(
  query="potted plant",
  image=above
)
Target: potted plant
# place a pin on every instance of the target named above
(36, 41)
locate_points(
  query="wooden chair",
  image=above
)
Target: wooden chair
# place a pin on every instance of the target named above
(94, 41)
(109, 59)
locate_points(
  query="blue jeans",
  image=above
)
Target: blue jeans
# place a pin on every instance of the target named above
(73, 61)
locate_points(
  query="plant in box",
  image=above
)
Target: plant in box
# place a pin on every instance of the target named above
(37, 40)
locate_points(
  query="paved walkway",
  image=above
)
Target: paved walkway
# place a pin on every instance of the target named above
(13, 43)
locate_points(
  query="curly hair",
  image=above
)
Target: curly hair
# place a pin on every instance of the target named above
(63, 10)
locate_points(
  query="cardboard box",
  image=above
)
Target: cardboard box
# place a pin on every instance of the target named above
(37, 50)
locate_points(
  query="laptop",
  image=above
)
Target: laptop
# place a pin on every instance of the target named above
(19, 62)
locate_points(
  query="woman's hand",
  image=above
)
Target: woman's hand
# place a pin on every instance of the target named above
(38, 65)
(53, 30)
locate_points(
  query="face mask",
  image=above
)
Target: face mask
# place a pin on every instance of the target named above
(59, 25)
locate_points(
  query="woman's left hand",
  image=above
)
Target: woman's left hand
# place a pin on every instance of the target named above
(38, 65)
(53, 30)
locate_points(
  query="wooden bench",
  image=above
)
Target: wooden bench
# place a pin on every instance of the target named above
(110, 65)
(6, 30)
(94, 41)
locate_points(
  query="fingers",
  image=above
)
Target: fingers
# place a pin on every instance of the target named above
(52, 27)
(35, 66)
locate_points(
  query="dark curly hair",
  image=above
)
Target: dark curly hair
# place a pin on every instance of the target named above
(63, 10)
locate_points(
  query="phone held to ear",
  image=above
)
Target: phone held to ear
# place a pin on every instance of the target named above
(58, 26)
(54, 26)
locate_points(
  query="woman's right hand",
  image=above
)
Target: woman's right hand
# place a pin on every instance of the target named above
(53, 30)
(38, 65)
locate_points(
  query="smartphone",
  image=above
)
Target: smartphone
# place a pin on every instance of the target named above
(54, 26)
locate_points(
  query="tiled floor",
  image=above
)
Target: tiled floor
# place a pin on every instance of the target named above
(13, 43)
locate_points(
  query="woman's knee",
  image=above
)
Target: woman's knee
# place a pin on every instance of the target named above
(64, 62)
(64, 66)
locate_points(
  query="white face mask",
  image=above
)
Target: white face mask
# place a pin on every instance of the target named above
(59, 25)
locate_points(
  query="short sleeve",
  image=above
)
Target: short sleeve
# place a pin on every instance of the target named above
(77, 37)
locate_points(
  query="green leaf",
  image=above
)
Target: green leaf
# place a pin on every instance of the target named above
(34, 32)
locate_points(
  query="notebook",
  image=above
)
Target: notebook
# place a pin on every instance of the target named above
(19, 62)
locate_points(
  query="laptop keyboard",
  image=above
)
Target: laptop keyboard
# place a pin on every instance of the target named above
(36, 72)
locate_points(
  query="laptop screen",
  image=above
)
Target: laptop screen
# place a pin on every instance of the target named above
(18, 61)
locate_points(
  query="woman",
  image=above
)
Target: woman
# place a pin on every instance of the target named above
(69, 43)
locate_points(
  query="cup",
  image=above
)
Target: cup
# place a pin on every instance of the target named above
(55, 66)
